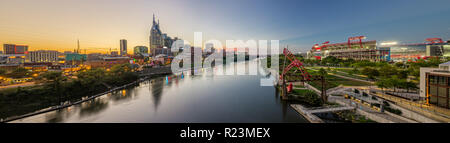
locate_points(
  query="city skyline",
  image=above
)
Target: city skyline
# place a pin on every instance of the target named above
(56, 25)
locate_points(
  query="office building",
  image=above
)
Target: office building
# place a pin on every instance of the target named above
(42, 56)
(435, 84)
(123, 47)
(15, 49)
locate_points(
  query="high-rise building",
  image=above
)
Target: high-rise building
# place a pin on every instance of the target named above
(159, 40)
(15, 49)
(140, 50)
(123, 47)
(42, 56)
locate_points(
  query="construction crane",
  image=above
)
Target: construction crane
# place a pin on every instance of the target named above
(103, 49)
(434, 40)
(360, 38)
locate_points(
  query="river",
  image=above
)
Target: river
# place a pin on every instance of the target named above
(203, 98)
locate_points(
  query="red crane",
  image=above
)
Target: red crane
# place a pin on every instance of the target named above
(360, 38)
(434, 40)
(294, 63)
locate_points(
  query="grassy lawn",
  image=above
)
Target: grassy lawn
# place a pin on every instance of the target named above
(306, 97)
(334, 81)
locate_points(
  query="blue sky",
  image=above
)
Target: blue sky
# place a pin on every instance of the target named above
(55, 24)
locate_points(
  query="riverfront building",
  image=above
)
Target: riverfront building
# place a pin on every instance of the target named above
(435, 84)
(15, 49)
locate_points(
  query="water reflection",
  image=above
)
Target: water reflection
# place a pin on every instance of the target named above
(93, 107)
(198, 96)
(157, 89)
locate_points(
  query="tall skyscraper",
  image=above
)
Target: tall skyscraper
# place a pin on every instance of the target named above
(123, 47)
(159, 40)
(156, 37)
(15, 49)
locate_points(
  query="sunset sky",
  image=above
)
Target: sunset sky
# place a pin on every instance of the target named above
(57, 24)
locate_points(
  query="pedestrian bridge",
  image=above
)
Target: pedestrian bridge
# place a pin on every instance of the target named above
(324, 110)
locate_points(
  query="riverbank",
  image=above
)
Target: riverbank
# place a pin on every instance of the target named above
(89, 98)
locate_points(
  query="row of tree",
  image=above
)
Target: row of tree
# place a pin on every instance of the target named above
(395, 83)
(57, 88)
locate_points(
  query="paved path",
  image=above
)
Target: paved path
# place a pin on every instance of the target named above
(349, 102)
(350, 78)
(26, 84)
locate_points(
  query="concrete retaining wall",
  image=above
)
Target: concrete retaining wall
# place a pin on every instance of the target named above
(372, 116)
(413, 115)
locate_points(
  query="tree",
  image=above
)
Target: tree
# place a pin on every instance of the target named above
(382, 84)
(371, 73)
(408, 85)
(120, 69)
(19, 73)
(54, 80)
(2, 72)
(393, 82)
(400, 65)
(388, 70)
(402, 74)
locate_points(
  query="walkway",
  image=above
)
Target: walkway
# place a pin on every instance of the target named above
(26, 84)
(367, 111)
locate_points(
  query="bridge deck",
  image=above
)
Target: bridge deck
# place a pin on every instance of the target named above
(331, 109)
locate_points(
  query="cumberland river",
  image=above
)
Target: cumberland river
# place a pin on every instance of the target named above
(203, 98)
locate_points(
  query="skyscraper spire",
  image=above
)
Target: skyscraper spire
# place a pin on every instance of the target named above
(154, 19)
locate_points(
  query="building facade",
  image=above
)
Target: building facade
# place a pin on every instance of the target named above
(140, 50)
(413, 52)
(42, 56)
(156, 37)
(123, 47)
(435, 84)
(15, 49)
(363, 50)
(160, 43)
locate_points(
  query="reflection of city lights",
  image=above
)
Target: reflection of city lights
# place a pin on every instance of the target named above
(124, 92)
